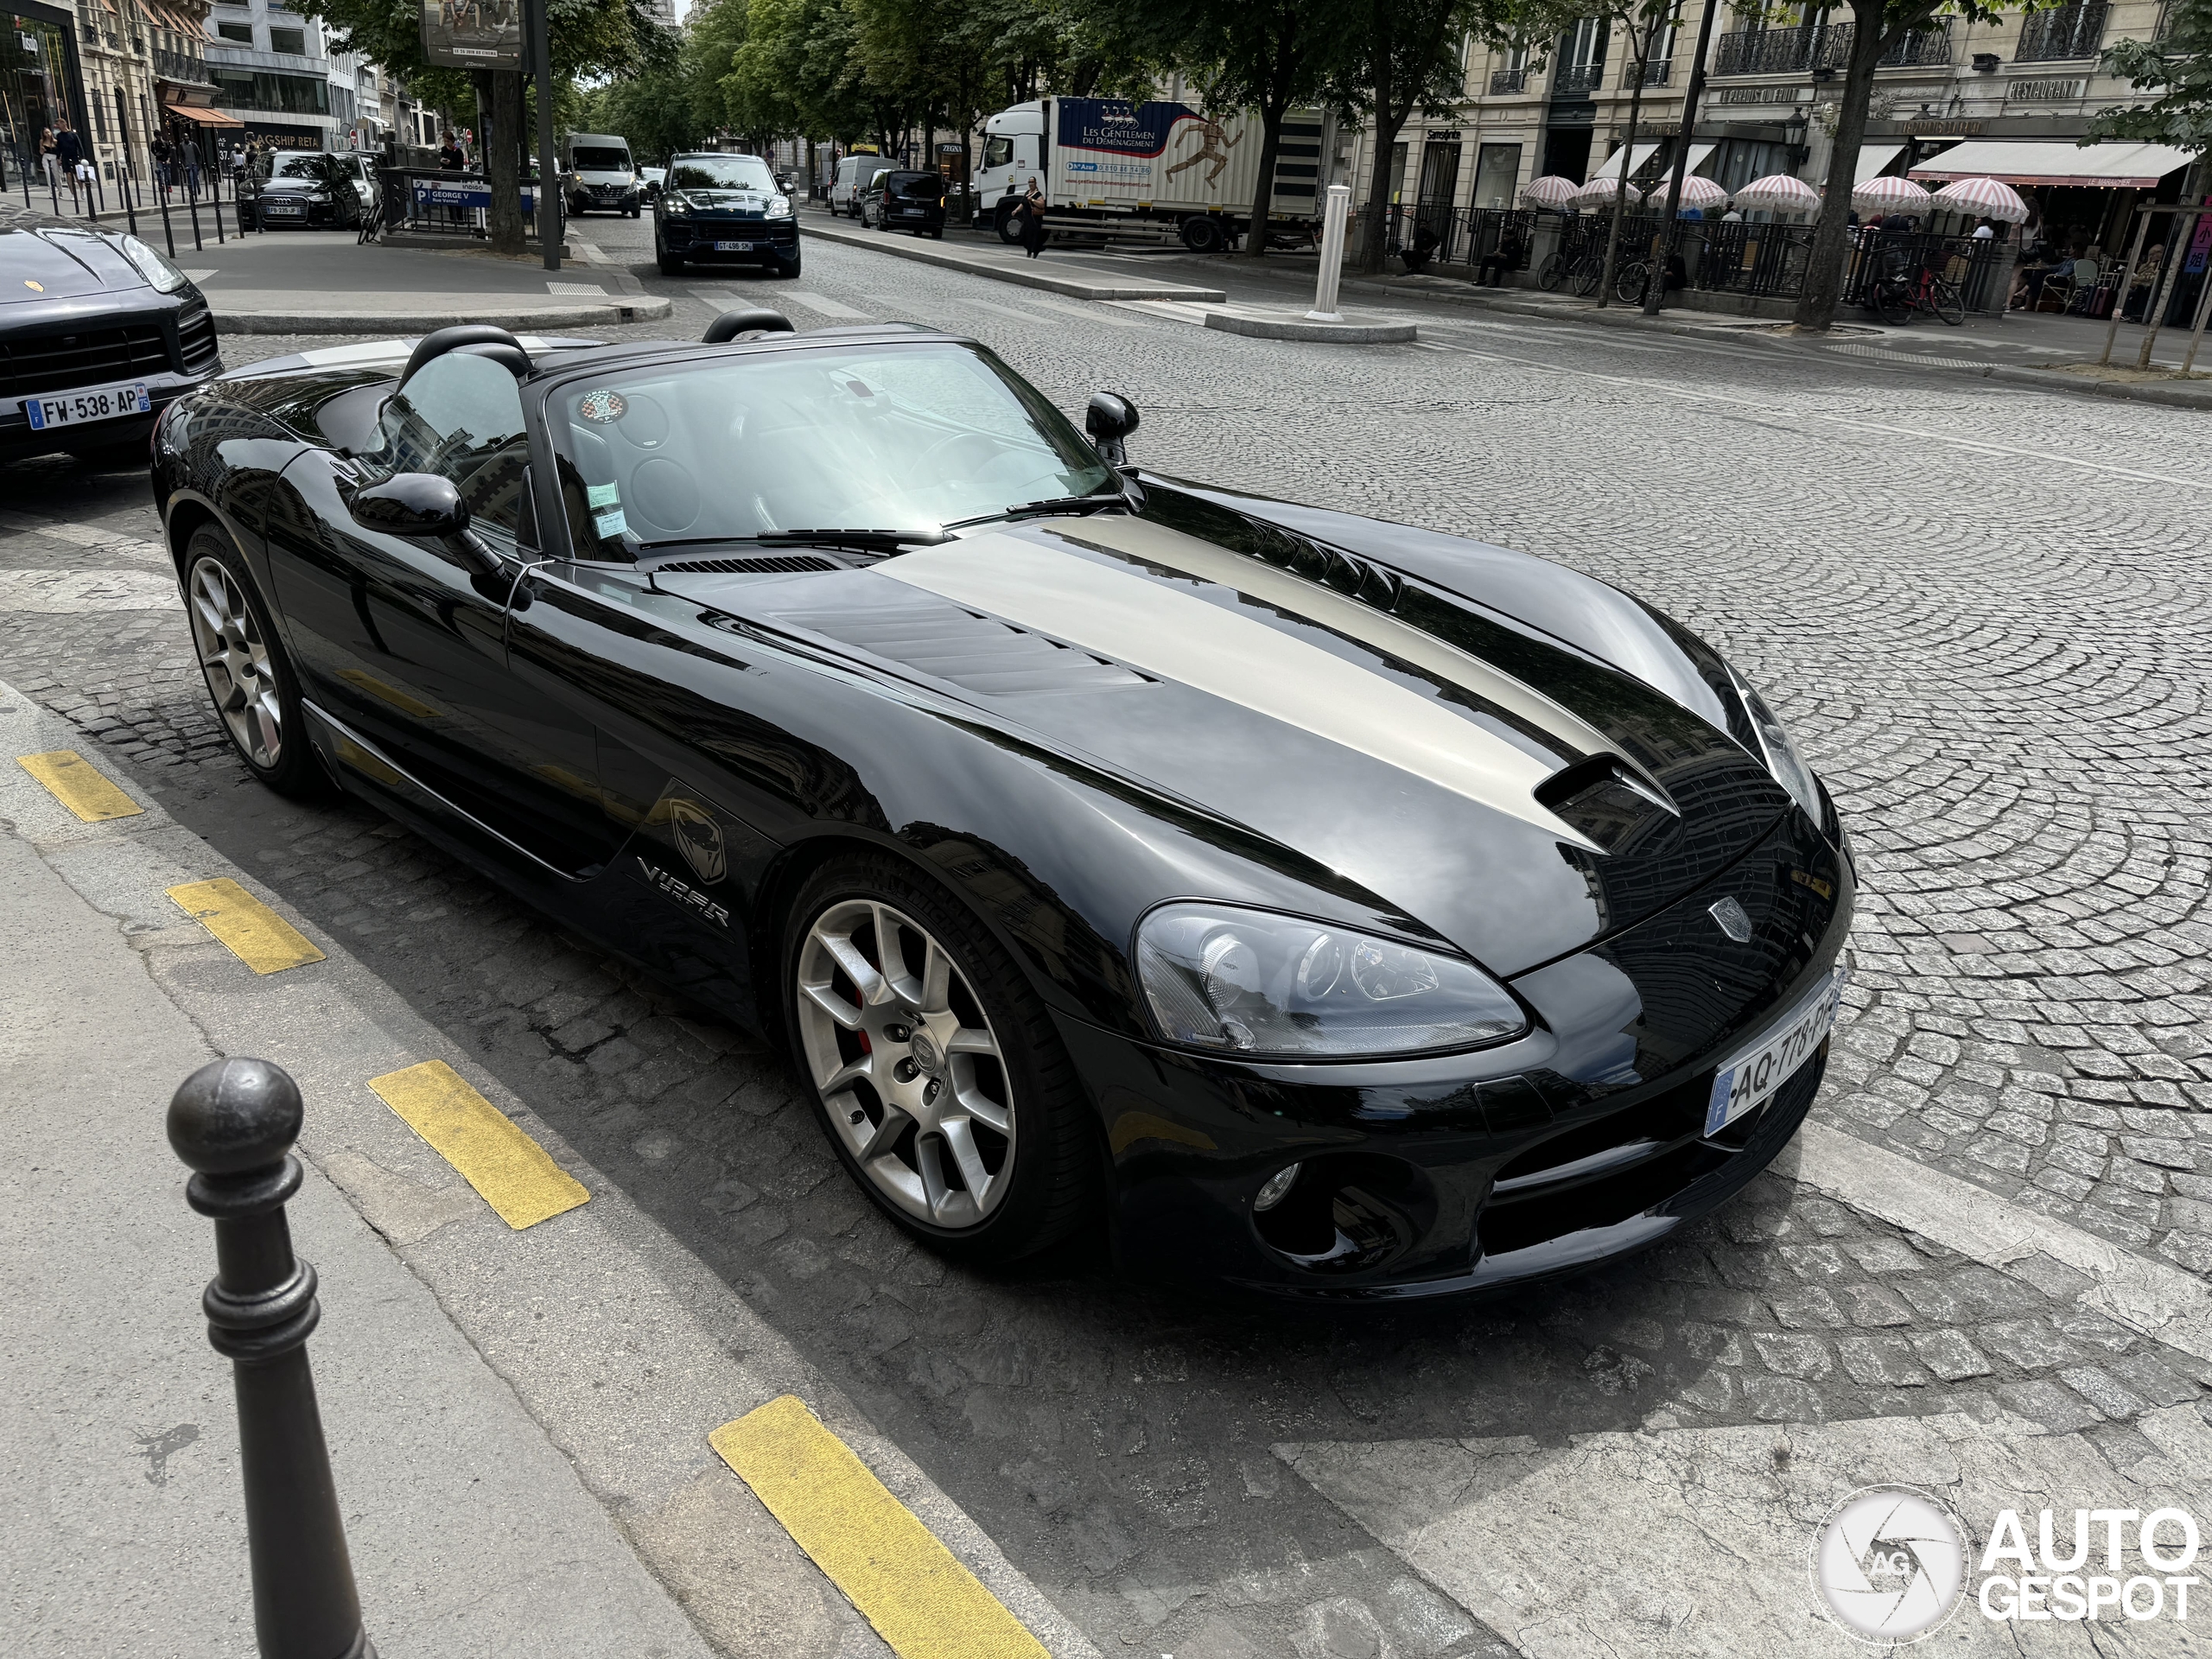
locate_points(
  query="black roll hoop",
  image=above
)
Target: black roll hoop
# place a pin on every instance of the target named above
(752, 319)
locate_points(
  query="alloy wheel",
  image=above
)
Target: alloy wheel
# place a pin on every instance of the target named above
(235, 659)
(908, 1066)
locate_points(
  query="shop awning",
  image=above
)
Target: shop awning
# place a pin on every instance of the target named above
(1611, 169)
(203, 116)
(2126, 164)
(1873, 161)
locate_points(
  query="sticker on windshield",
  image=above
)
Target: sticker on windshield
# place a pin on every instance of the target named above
(609, 526)
(603, 408)
(602, 495)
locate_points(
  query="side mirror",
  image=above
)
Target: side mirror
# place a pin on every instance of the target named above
(1110, 420)
(411, 504)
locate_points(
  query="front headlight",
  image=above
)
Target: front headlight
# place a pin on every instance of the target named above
(676, 205)
(165, 277)
(1780, 755)
(1259, 985)
(779, 207)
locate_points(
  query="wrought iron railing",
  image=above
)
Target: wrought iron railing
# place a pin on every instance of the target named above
(1655, 74)
(1821, 46)
(2061, 33)
(1572, 78)
(1509, 80)
(1975, 267)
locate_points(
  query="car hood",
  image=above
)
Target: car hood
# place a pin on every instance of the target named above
(291, 187)
(66, 265)
(1517, 797)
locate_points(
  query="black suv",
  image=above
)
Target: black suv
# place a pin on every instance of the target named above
(906, 201)
(99, 334)
(720, 209)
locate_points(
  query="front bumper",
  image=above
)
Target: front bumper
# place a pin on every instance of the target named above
(273, 214)
(1578, 1143)
(775, 241)
(18, 442)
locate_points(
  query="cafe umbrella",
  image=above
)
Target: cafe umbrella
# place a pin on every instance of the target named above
(1991, 199)
(1890, 194)
(1779, 193)
(1551, 190)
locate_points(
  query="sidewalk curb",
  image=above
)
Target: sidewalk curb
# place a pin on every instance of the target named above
(2046, 379)
(1342, 334)
(450, 309)
(1073, 288)
(554, 1312)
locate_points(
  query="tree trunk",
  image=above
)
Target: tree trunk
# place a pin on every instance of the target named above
(1272, 108)
(1643, 62)
(1823, 287)
(1389, 123)
(500, 148)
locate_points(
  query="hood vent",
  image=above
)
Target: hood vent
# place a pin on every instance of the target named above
(978, 653)
(778, 564)
(1610, 804)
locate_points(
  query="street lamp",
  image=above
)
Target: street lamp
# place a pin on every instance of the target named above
(1799, 152)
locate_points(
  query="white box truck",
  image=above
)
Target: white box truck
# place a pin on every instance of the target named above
(1151, 171)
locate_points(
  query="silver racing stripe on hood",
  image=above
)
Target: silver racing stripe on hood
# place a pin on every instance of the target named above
(1163, 631)
(1341, 614)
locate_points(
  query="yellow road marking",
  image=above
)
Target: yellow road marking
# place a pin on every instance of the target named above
(514, 1174)
(80, 785)
(256, 935)
(891, 1566)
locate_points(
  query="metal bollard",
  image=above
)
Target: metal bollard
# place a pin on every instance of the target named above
(234, 1123)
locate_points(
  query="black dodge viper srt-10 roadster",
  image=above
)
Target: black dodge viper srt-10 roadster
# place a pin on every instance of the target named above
(1337, 908)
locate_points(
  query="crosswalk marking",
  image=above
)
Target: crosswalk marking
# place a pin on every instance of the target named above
(73, 593)
(80, 785)
(575, 291)
(515, 1175)
(255, 934)
(828, 308)
(921, 1600)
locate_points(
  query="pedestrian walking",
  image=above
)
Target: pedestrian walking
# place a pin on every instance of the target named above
(164, 154)
(46, 155)
(1033, 220)
(69, 152)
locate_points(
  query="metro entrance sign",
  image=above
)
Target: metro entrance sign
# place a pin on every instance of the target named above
(463, 192)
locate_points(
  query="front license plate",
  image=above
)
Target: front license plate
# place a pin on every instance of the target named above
(281, 207)
(733, 247)
(92, 403)
(1746, 1081)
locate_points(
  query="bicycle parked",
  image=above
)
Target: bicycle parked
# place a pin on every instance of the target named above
(1902, 287)
(1583, 264)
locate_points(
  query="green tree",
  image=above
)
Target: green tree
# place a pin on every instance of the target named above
(1877, 26)
(2177, 66)
(1649, 23)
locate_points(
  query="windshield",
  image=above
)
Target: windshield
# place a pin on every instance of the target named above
(893, 437)
(598, 158)
(300, 167)
(916, 187)
(720, 172)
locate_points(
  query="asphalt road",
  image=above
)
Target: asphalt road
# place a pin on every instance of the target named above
(1980, 607)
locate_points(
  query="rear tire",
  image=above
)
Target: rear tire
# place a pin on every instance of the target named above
(250, 677)
(1203, 235)
(948, 1175)
(1549, 273)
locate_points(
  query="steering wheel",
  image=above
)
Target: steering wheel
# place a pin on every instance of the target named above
(933, 457)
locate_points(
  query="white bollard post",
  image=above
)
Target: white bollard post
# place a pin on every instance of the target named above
(1333, 254)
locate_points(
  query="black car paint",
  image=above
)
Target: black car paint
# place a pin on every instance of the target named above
(711, 216)
(88, 288)
(563, 720)
(291, 203)
(905, 201)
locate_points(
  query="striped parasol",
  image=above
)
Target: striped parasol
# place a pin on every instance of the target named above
(1890, 194)
(1779, 193)
(1551, 190)
(1598, 194)
(1987, 198)
(1698, 191)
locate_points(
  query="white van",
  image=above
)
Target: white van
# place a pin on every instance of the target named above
(854, 174)
(596, 172)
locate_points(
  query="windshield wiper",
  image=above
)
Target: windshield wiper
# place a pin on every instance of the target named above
(875, 541)
(1058, 504)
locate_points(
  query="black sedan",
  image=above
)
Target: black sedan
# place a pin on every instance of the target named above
(308, 191)
(98, 332)
(1337, 908)
(724, 210)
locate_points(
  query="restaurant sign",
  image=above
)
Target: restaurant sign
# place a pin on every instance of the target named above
(1944, 129)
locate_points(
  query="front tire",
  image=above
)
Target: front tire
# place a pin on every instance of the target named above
(1549, 274)
(255, 694)
(1949, 304)
(937, 1073)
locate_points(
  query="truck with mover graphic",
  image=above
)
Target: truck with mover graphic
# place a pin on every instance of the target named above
(1151, 171)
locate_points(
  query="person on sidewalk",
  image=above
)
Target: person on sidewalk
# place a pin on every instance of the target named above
(1033, 220)
(1505, 257)
(164, 155)
(69, 153)
(46, 157)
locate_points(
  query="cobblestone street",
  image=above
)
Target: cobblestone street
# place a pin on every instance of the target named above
(1980, 609)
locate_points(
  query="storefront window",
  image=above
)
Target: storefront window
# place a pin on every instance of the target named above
(240, 89)
(33, 86)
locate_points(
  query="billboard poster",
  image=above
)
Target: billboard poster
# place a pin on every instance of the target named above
(1109, 141)
(473, 34)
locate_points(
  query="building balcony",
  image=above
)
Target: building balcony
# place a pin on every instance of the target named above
(1577, 79)
(2062, 34)
(181, 68)
(1658, 73)
(1505, 81)
(1824, 48)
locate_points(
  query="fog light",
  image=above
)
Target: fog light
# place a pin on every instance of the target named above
(1277, 1189)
